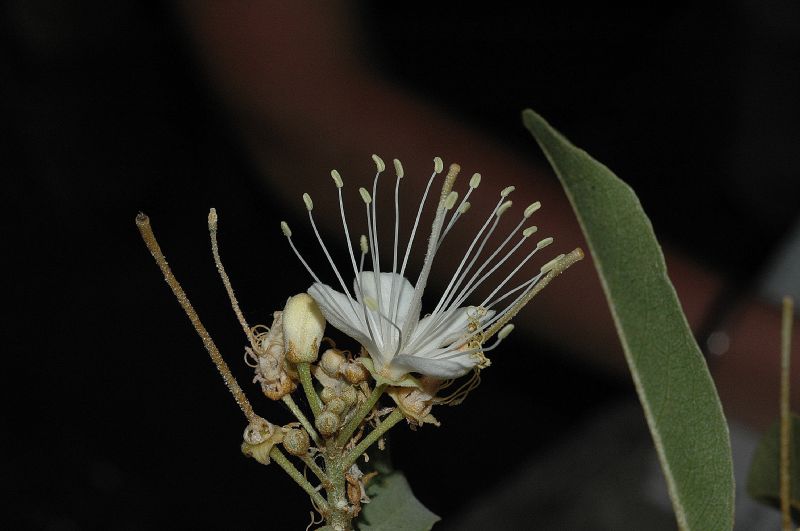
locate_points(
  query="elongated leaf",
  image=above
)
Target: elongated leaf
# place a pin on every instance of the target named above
(394, 507)
(763, 482)
(675, 388)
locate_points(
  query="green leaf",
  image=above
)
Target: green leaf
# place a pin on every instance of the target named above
(675, 389)
(763, 481)
(394, 507)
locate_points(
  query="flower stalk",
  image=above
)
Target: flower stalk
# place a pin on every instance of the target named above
(404, 355)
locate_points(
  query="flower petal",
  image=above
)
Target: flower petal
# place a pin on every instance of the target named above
(383, 284)
(340, 311)
(446, 369)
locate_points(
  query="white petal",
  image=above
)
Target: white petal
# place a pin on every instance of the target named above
(340, 311)
(450, 368)
(403, 292)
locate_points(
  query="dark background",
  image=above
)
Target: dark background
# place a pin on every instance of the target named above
(114, 416)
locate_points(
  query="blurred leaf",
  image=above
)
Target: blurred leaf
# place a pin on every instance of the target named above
(763, 481)
(675, 388)
(394, 507)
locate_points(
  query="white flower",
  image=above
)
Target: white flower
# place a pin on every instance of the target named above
(382, 310)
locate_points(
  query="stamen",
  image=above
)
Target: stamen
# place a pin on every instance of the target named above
(450, 202)
(395, 281)
(364, 245)
(507, 329)
(337, 179)
(416, 222)
(544, 243)
(464, 207)
(456, 278)
(379, 163)
(507, 190)
(475, 180)
(505, 206)
(422, 280)
(438, 165)
(285, 229)
(365, 195)
(529, 231)
(533, 207)
(561, 266)
(309, 203)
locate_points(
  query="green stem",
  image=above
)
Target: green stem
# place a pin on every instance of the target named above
(315, 468)
(387, 423)
(314, 401)
(298, 413)
(276, 455)
(363, 410)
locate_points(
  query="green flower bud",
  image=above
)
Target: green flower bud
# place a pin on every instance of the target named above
(327, 394)
(327, 423)
(355, 373)
(296, 442)
(337, 405)
(349, 395)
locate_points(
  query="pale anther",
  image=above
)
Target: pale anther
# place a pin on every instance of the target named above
(363, 243)
(438, 165)
(475, 180)
(365, 195)
(212, 219)
(285, 229)
(398, 168)
(530, 230)
(378, 163)
(507, 190)
(533, 207)
(450, 202)
(502, 208)
(464, 207)
(507, 329)
(309, 203)
(337, 178)
(544, 243)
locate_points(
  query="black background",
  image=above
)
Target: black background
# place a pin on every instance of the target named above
(115, 418)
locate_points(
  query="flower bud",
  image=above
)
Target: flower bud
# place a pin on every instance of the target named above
(296, 442)
(355, 373)
(330, 362)
(349, 395)
(303, 326)
(337, 405)
(327, 394)
(327, 423)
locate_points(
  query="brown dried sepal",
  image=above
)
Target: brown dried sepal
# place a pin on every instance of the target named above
(416, 402)
(276, 376)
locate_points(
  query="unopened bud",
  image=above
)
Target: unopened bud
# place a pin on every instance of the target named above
(327, 423)
(330, 362)
(349, 395)
(355, 373)
(303, 326)
(296, 442)
(336, 405)
(327, 394)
